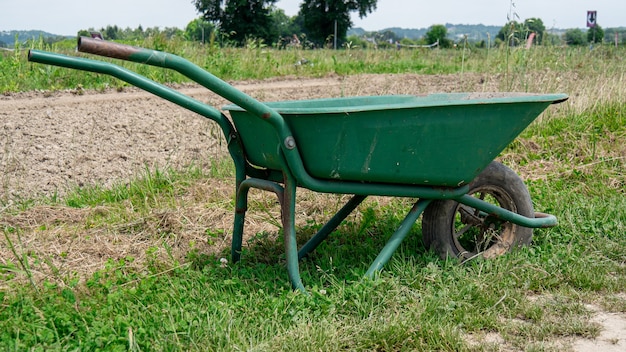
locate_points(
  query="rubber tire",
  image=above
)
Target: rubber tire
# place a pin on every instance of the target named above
(504, 188)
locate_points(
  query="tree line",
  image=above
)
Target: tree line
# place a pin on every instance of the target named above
(325, 23)
(515, 33)
(235, 22)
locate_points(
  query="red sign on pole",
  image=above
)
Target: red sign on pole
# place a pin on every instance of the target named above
(592, 18)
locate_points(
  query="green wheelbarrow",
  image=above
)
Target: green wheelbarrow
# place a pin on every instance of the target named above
(437, 148)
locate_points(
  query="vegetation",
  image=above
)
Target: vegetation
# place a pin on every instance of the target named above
(575, 37)
(257, 61)
(240, 19)
(200, 30)
(515, 33)
(534, 299)
(316, 21)
(610, 34)
(595, 34)
(438, 34)
(8, 38)
(323, 18)
(116, 33)
(289, 31)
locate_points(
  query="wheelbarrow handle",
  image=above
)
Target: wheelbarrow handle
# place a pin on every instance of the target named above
(204, 78)
(188, 69)
(107, 49)
(135, 79)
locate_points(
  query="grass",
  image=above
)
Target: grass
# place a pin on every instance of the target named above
(151, 275)
(16, 74)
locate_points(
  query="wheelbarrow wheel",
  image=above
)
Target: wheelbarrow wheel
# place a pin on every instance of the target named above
(456, 230)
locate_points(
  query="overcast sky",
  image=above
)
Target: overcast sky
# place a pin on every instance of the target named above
(67, 17)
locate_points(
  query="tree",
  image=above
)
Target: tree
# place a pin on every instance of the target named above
(199, 30)
(510, 33)
(320, 17)
(574, 37)
(535, 25)
(111, 32)
(438, 33)
(551, 39)
(211, 10)
(609, 34)
(240, 19)
(285, 26)
(515, 33)
(595, 34)
(172, 32)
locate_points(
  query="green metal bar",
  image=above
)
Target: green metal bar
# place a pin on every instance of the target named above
(379, 189)
(234, 144)
(543, 220)
(288, 215)
(264, 185)
(287, 198)
(241, 206)
(237, 240)
(204, 78)
(398, 236)
(330, 226)
(188, 69)
(134, 79)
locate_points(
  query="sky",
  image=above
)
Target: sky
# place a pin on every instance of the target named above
(67, 17)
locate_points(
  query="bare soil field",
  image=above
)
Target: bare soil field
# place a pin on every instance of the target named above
(54, 141)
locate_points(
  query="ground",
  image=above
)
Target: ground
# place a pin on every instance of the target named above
(53, 141)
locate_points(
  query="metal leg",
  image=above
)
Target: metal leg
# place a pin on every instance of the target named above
(287, 198)
(330, 226)
(288, 214)
(241, 196)
(241, 205)
(398, 236)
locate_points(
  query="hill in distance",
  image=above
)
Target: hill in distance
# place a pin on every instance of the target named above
(7, 38)
(474, 32)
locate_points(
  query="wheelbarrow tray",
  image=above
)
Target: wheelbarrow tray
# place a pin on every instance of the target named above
(436, 139)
